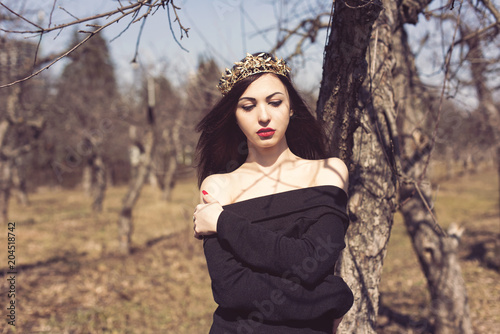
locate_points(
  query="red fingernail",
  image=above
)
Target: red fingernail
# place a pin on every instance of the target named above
(204, 192)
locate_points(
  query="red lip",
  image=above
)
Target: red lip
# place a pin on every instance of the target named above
(266, 132)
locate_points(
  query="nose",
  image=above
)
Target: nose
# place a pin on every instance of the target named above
(264, 116)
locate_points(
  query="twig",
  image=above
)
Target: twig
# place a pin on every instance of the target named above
(37, 49)
(181, 27)
(21, 17)
(90, 18)
(64, 10)
(477, 33)
(91, 34)
(441, 98)
(436, 225)
(122, 11)
(126, 28)
(172, 30)
(52, 13)
(138, 41)
(310, 32)
(145, 15)
(492, 9)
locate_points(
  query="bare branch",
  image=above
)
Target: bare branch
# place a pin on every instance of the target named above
(21, 17)
(492, 9)
(443, 89)
(311, 28)
(182, 28)
(73, 16)
(117, 14)
(171, 29)
(67, 52)
(135, 6)
(477, 33)
(52, 13)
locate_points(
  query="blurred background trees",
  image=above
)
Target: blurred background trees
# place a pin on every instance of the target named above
(87, 99)
(21, 121)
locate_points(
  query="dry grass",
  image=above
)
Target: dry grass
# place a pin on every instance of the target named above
(71, 280)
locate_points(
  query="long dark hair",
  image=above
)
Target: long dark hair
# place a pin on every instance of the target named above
(222, 145)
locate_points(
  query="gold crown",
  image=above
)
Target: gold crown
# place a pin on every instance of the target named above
(261, 63)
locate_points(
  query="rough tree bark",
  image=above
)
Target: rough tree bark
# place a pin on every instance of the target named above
(366, 137)
(437, 252)
(143, 168)
(363, 148)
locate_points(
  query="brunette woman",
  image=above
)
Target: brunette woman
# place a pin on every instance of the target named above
(273, 208)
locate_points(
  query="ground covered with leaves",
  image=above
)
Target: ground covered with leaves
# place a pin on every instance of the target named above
(71, 280)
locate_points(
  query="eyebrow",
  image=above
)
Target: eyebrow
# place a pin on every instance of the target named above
(253, 99)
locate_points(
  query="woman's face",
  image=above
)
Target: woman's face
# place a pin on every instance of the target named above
(263, 112)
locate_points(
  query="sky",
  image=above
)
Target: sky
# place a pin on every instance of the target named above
(223, 29)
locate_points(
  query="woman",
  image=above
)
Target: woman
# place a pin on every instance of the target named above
(272, 213)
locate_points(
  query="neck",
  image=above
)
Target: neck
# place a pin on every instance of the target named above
(269, 158)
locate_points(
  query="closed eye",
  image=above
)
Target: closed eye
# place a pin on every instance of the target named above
(275, 103)
(248, 107)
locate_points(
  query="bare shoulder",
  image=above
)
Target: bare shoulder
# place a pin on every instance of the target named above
(217, 185)
(333, 171)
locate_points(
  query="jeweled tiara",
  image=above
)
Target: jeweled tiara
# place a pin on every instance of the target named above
(261, 63)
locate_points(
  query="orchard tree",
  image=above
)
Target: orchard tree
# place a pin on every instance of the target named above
(144, 138)
(21, 119)
(88, 98)
(170, 117)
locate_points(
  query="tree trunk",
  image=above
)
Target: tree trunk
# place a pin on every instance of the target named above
(170, 164)
(344, 70)
(438, 257)
(5, 185)
(99, 186)
(437, 252)
(125, 222)
(143, 168)
(169, 177)
(19, 182)
(16, 137)
(87, 177)
(363, 148)
(5, 163)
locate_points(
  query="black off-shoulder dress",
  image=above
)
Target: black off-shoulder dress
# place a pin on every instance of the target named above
(272, 261)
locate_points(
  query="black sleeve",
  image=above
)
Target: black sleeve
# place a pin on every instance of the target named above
(278, 298)
(310, 258)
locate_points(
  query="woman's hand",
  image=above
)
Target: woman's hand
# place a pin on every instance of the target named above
(336, 323)
(205, 216)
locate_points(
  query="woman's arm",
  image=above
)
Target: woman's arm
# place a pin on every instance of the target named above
(277, 298)
(310, 258)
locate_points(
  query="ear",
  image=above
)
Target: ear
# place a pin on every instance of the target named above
(291, 112)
